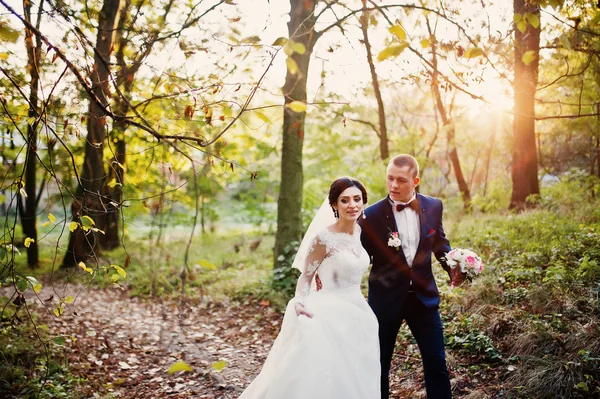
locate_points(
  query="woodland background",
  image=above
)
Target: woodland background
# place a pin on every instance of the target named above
(161, 160)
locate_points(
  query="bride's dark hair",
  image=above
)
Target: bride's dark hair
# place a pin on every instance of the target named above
(341, 184)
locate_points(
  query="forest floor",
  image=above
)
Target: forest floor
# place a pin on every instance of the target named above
(124, 348)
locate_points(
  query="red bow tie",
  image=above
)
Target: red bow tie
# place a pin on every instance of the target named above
(414, 205)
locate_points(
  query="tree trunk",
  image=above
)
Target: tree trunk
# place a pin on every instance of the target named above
(453, 153)
(524, 152)
(289, 203)
(28, 211)
(384, 151)
(88, 200)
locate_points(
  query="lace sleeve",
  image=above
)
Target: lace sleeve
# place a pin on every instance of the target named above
(314, 257)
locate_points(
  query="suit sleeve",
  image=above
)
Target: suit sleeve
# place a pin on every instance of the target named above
(441, 244)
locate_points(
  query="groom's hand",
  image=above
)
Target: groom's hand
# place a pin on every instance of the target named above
(318, 283)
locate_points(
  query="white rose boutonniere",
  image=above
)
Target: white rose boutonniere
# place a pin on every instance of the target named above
(394, 240)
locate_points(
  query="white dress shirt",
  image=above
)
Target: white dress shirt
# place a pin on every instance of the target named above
(409, 228)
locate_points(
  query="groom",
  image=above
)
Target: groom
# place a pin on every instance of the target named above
(400, 233)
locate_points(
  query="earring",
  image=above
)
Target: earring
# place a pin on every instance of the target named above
(363, 215)
(336, 213)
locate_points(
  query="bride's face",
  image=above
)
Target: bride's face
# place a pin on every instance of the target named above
(350, 204)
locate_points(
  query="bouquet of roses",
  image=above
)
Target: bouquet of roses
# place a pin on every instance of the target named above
(463, 262)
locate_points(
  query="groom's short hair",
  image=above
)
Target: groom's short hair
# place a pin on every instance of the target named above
(403, 160)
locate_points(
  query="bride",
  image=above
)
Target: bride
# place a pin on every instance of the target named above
(328, 344)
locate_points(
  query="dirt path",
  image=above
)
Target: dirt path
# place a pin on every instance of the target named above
(125, 346)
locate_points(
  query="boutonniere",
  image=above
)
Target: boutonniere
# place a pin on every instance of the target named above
(394, 240)
(431, 231)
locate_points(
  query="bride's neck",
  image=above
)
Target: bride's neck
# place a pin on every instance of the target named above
(345, 226)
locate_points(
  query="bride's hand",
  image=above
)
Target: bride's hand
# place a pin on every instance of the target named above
(301, 310)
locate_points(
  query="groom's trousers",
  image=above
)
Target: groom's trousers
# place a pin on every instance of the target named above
(426, 327)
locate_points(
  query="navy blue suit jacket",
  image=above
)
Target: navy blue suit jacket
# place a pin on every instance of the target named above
(390, 277)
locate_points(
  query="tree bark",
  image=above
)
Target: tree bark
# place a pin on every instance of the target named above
(524, 149)
(28, 211)
(384, 151)
(289, 203)
(89, 200)
(446, 121)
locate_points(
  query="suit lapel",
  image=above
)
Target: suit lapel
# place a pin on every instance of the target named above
(423, 222)
(390, 223)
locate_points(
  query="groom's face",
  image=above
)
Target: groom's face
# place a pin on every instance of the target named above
(401, 182)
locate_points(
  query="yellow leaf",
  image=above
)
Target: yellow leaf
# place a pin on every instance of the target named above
(393, 50)
(262, 116)
(51, 218)
(299, 48)
(28, 242)
(296, 106)
(522, 25)
(206, 264)
(280, 41)
(46, 224)
(528, 57)
(119, 270)
(398, 31)
(3, 56)
(37, 288)
(473, 52)
(180, 366)
(73, 226)
(291, 65)
(23, 192)
(533, 20)
(58, 311)
(69, 299)
(425, 43)
(219, 365)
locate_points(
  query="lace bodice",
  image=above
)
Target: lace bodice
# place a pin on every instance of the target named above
(340, 260)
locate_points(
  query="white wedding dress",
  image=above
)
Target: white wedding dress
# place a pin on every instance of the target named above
(334, 354)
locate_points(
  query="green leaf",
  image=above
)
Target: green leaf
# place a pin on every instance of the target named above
(119, 270)
(291, 65)
(398, 31)
(566, 43)
(227, 111)
(473, 52)
(262, 116)
(583, 386)
(296, 106)
(180, 366)
(60, 340)
(280, 41)
(206, 264)
(219, 365)
(87, 222)
(22, 285)
(8, 34)
(533, 20)
(528, 57)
